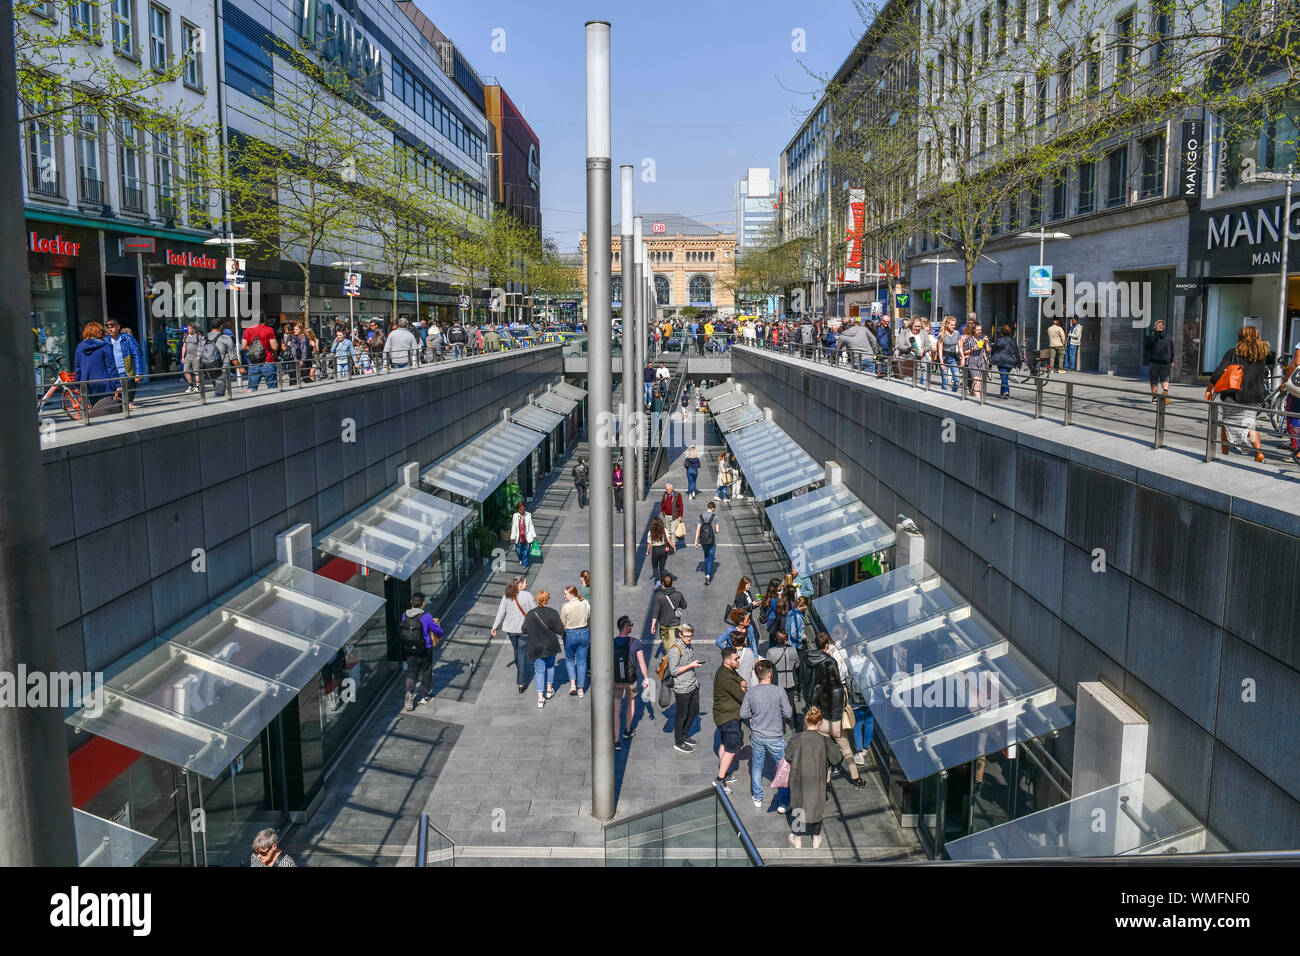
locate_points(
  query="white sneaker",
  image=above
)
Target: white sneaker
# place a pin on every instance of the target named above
(860, 760)
(758, 804)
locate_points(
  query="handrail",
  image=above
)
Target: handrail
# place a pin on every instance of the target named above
(746, 843)
(422, 843)
(661, 808)
(652, 469)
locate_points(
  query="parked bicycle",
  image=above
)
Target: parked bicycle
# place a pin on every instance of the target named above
(65, 386)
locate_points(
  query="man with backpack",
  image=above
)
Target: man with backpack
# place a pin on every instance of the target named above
(216, 352)
(629, 665)
(581, 481)
(706, 537)
(420, 633)
(260, 346)
(666, 617)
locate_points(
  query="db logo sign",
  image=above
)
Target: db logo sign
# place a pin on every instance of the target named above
(659, 227)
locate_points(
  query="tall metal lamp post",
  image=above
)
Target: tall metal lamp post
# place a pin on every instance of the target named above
(934, 294)
(1042, 238)
(348, 264)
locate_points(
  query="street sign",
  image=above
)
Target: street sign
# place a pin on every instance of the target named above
(352, 285)
(140, 244)
(1040, 282)
(902, 299)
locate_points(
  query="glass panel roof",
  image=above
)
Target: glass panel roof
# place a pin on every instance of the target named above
(826, 528)
(728, 401)
(736, 418)
(397, 534)
(565, 390)
(478, 467)
(711, 393)
(105, 843)
(943, 684)
(198, 699)
(1143, 818)
(553, 402)
(538, 419)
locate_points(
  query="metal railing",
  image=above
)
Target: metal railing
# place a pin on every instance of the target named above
(656, 449)
(1190, 422)
(61, 398)
(433, 847)
(702, 829)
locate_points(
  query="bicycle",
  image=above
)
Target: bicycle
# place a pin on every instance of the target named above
(66, 387)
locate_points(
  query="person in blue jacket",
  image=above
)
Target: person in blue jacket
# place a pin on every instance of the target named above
(127, 358)
(794, 621)
(93, 363)
(692, 471)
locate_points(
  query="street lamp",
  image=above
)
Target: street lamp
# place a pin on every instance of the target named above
(230, 240)
(1289, 177)
(934, 296)
(348, 264)
(417, 276)
(1042, 237)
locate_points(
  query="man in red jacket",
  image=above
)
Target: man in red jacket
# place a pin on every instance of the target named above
(670, 508)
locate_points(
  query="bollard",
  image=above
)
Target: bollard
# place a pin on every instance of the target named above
(84, 389)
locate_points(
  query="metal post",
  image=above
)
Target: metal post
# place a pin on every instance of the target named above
(1039, 383)
(601, 402)
(631, 386)
(645, 337)
(1038, 329)
(1069, 403)
(1160, 424)
(1211, 439)
(637, 476)
(35, 800)
(143, 311)
(1286, 250)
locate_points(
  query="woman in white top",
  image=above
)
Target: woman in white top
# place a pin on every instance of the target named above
(515, 605)
(575, 613)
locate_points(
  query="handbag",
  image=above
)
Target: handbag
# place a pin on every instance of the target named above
(665, 695)
(782, 778)
(679, 529)
(1230, 380)
(535, 549)
(847, 719)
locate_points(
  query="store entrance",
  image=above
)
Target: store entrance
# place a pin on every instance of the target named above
(122, 301)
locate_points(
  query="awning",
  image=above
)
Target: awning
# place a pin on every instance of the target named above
(478, 467)
(1142, 817)
(772, 461)
(538, 419)
(728, 401)
(943, 684)
(826, 528)
(737, 418)
(552, 402)
(565, 390)
(711, 393)
(397, 534)
(197, 700)
(105, 843)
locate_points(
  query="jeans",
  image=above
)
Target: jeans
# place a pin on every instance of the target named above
(544, 672)
(864, 725)
(658, 561)
(418, 674)
(458, 350)
(951, 364)
(1005, 372)
(688, 708)
(1072, 357)
(690, 482)
(761, 747)
(520, 645)
(577, 642)
(724, 491)
(264, 372)
(709, 553)
(521, 549)
(582, 494)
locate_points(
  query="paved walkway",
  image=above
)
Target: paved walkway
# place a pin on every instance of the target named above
(510, 783)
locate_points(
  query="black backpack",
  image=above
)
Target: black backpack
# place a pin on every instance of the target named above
(256, 351)
(412, 634)
(624, 666)
(210, 353)
(707, 537)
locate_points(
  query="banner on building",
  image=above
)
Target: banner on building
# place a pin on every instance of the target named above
(853, 226)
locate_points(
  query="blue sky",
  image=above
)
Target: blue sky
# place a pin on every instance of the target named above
(705, 89)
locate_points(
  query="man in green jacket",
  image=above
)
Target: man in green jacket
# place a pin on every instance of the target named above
(728, 695)
(491, 340)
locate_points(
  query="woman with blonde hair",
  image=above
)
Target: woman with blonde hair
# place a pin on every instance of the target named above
(950, 355)
(543, 629)
(811, 755)
(1253, 356)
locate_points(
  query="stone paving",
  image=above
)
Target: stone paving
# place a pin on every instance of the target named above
(510, 783)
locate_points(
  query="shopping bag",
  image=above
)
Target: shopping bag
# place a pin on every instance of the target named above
(782, 778)
(535, 549)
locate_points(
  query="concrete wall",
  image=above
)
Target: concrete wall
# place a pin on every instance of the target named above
(1198, 607)
(126, 507)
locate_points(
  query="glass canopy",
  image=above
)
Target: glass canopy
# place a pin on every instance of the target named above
(199, 698)
(737, 418)
(773, 463)
(478, 467)
(1141, 819)
(944, 685)
(565, 390)
(538, 419)
(105, 843)
(727, 401)
(711, 393)
(555, 402)
(397, 534)
(826, 528)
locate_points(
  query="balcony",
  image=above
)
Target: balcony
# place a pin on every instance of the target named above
(47, 182)
(92, 190)
(165, 203)
(132, 199)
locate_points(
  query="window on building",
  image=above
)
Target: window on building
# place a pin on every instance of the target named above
(164, 171)
(943, 73)
(89, 157)
(1013, 214)
(196, 196)
(1117, 177)
(193, 53)
(986, 33)
(130, 162)
(248, 66)
(1058, 197)
(969, 61)
(1124, 47)
(999, 119)
(45, 172)
(982, 130)
(1040, 99)
(1064, 84)
(1087, 188)
(1153, 166)
(1022, 18)
(700, 290)
(1093, 77)
(83, 18)
(1018, 105)
(1044, 9)
(124, 27)
(929, 20)
(1161, 27)
(159, 38)
(1036, 204)
(1004, 25)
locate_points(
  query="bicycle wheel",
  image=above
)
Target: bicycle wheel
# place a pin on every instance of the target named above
(1277, 412)
(71, 405)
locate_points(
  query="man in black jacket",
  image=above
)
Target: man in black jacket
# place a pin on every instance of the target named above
(581, 480)
(1158, 356)
(667, 614)
(825, 688)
